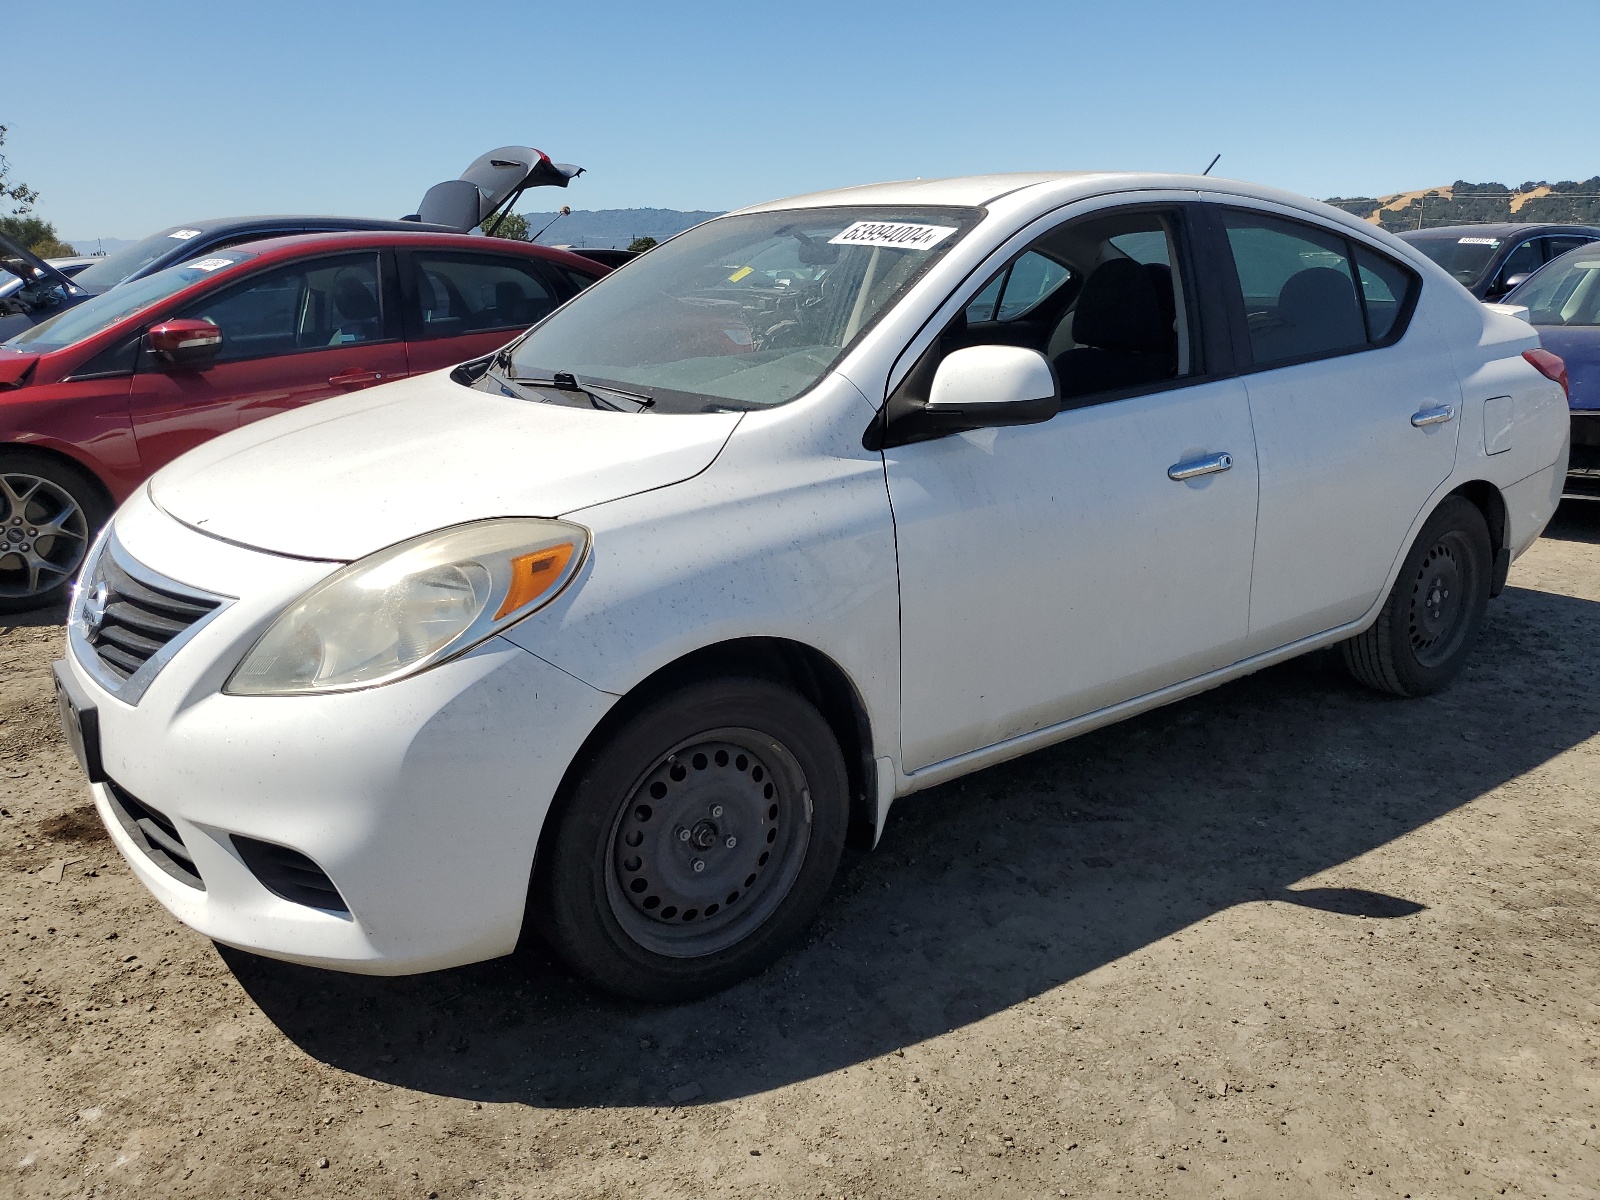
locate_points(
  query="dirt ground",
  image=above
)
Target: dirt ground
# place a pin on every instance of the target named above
(1287, 939)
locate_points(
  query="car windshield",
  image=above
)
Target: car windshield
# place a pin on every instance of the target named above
(1566, 292)
(741, 312)
(101, 312)
(1467, 257)
(113, 269)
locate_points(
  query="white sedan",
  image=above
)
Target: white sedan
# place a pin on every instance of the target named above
(612, 638)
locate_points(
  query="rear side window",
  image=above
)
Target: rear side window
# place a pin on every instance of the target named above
(1310, 292)
(308, 306)
(468, 293)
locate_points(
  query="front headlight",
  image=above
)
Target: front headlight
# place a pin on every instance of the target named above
(403, 609)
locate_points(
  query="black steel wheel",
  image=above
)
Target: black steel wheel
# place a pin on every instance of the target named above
(1429, 623)
(49, 514)
(696, 843)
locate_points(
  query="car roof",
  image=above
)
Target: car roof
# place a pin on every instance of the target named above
(295, 221)
(1501, 228)
(1062, 186)
(271, 249)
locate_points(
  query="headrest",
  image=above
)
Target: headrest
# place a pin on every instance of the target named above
(1322, 300)
(352, 299)
(1120, 310)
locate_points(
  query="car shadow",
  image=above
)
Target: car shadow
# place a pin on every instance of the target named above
(994, 889)
(34, 618)
(1576, 521)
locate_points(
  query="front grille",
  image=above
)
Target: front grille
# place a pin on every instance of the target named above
(155, 834)
(140, 618)
(290, 874)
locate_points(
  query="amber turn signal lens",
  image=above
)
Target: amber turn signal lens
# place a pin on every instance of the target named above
(534, 574)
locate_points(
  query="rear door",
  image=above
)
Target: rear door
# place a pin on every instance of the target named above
(291, 335)
(1355, 409)
(460, 305)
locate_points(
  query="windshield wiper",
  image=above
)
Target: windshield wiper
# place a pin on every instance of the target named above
(565, 381)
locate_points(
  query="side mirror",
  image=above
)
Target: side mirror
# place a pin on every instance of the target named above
(1513, 281)
(977, 387)
(185, 341)
(984, 386)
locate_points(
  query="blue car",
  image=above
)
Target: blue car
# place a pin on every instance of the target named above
(1563, 301)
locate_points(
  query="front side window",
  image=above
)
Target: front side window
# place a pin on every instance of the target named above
(1105, 298)
(1567, 292)
(1301, 294)
(741, 312)
(1524, 260)
(308, 306)
(1018, 289)
(469, 293)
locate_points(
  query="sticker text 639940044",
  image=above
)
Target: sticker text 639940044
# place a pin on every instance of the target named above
(897, 234)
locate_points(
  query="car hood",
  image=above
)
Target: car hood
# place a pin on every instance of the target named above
(1579, 348)
(346, 477)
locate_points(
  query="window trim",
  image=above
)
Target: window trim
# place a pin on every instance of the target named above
(1238, 314)
(147, 362)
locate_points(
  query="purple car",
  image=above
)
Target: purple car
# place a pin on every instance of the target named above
(1563, 300)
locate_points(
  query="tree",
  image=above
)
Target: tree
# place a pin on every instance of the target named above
(36, 235)
(513, 226)
(640, 244)
(13, 192)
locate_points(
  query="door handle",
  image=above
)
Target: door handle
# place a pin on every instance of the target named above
(1433, 416)
(1195, 467)
(355, 378)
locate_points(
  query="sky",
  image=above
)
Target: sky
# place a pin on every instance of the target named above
(143, 115)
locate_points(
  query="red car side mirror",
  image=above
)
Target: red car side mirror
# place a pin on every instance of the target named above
(185, 341)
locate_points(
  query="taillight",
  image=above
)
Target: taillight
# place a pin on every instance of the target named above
(1551, 366)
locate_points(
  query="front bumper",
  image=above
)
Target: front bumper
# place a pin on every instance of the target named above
(421, 800)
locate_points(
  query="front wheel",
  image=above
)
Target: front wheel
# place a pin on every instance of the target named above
(1430, 621)
(697, 842)
(48, 515)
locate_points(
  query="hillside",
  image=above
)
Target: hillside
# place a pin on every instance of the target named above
(1463, 203)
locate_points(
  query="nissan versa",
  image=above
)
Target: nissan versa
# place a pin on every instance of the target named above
(612, 636)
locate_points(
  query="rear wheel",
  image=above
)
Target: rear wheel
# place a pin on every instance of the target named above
(1430, 621)
(48, 515)
(697, 843)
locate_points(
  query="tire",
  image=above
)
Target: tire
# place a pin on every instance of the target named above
(49, 514)
(1429, 624)
(740, 775)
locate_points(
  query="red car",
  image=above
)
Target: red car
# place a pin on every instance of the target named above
(96, 399)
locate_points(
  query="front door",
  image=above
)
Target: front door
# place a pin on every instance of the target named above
(1050, 570)
(1355, 414)
(291, 335)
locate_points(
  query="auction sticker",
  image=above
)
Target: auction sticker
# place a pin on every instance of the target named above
(1479, 241)
(183, 235)
(210, 264)
(894, 234)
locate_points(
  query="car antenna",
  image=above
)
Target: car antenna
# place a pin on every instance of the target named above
(564, 212)
(1207, 171)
